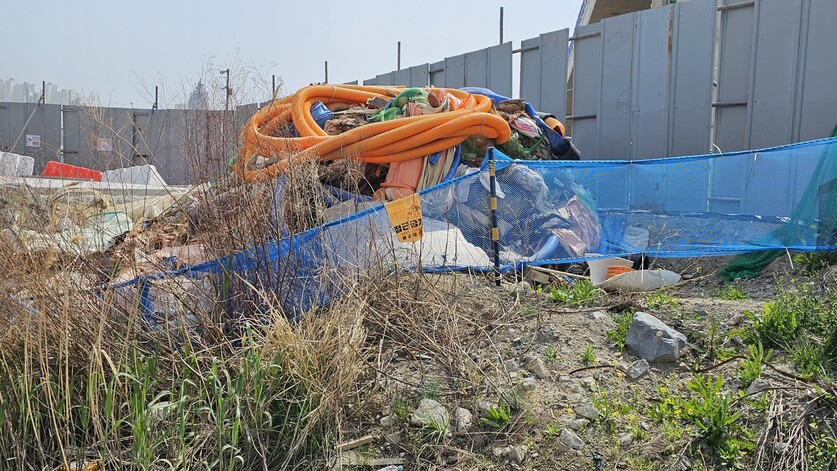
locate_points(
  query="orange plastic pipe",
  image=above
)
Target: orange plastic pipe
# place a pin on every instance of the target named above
(395, 140)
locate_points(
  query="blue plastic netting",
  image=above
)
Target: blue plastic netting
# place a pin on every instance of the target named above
(555, 212)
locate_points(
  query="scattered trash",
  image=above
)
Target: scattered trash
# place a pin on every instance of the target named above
(616, 274)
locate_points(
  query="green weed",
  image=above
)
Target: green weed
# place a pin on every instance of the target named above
(497, 416)
(619, 335)
(551, 354)
(730, 293)
(812, 263)
(661, 300)
(810, 358)
(589, 356)
(753, 364)
(581, 293)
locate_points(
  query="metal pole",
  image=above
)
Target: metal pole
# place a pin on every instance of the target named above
(273, 86)
(495, 231)
(399, 55)
(156, 96)
(501, 25)
(326, 71)
(229, 92)
(43, 92)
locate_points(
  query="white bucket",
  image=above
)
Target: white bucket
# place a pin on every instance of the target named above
(598, 267)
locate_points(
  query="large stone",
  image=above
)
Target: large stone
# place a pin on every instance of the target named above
(569, 438)
(430, 413)
(651, 339)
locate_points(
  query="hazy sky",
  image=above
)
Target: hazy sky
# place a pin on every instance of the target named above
(119, 50)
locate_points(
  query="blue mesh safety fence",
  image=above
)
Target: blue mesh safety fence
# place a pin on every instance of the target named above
(549, 212)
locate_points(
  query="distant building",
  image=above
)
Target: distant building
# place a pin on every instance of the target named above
(198, 99)
(26, 92)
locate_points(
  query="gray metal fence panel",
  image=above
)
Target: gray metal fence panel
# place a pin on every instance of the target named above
(420, 75)
(530, 71)
(401, 77)
(543, 72)
(818, 98)
(735, 51)
(692, 72)
(476, 67)
(650, 87)
(499, 71)
(384, 79)
(372, 81)
(771, 104)
(454, 72)
(616, 87)
(437, 74)
(690, 92)
(586, 87)
(776, 53)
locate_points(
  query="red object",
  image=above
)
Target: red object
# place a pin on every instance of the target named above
(59, 170)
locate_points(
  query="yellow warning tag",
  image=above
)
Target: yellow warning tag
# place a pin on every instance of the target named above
(405, 217)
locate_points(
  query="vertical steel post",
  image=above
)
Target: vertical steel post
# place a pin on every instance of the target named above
(501, 25)
(495, 231)
(326, 72)
(399, 55)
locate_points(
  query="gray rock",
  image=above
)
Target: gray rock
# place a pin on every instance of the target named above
(780, 447)
(758, 386)
(588, 412)
(528, 384)
(500, 451)
(589, 383)
(511, 365)
(644, 426)
(599, 315)
(625, 440)
(518, 453)
(537, 367)
(389, 421)
(569, 438)
(463, 419)
(483, 405)
(393, 438)
(577, 424)
(638, 368)
(651, 339)
(517, 342)
(430, 413)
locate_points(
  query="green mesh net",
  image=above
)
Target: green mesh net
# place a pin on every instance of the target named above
(819, 202)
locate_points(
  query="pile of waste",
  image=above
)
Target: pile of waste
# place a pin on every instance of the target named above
(407, 139)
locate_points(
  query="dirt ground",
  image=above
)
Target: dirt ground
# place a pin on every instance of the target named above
(477, 346)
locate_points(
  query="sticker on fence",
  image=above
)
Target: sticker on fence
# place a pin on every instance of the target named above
(405, 218)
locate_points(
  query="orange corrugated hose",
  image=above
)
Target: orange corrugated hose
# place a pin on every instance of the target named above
(396, 140)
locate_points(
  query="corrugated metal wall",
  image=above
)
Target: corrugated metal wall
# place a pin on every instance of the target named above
(695, 77)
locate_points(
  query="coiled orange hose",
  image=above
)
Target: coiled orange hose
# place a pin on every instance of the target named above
(395, 140)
